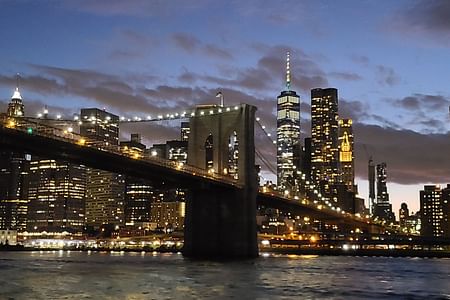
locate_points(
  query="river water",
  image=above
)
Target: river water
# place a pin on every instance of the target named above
(83, 275)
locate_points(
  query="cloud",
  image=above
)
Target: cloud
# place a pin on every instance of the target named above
(135, 8)
(267, 74)
(386, 76)
(185, 41)
(423, 101)
(424, 18)
(360, 59)
(191, 44)
(412, 157)
(348, 76)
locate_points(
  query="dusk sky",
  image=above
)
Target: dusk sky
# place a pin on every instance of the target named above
(390, 61)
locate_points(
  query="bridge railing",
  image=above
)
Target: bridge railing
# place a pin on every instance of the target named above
(318, 206)
(38, 127)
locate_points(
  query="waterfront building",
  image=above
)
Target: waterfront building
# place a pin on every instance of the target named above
(383, 208)
(435, 211)
(8, 237)
(403, 214)
(168, 216)
(288, 133)
(346, 154)
(324, 138)
(105, 190)
(56, 195)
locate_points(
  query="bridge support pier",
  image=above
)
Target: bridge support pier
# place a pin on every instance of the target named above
(220, 221)
(221, 224)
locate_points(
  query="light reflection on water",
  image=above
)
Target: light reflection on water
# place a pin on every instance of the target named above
(120, 275)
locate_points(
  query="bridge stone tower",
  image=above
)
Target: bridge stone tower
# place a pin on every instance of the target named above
(221, 221)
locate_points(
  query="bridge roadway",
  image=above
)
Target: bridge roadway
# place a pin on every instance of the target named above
(49, 142)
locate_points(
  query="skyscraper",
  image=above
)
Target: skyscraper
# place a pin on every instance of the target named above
(13, 200)
(13, 167)
(105, 190)
(56, 194)
(16, 107)
(288, 132)
(371, 171)
(403, 214)
(435, 211)
(324, 138)
(346, 154)
(185, 130)
(139, 193)
(383, 209)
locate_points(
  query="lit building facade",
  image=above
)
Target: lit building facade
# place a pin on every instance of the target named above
(15, 106)
(139, 193)
(403, 214)
(371, 177)
(324, 138)
(56, 195)
(346, 154)
(288, 133)
(105, 190)
(383, 208)
(13, 167)
(100, 126)
(168, 215)
(435, 211)
(185, 130)
(13, 200)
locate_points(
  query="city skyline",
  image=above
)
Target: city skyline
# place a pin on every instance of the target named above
(129, 58)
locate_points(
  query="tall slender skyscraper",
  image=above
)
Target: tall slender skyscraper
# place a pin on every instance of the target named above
(13, 167)
(371, 170)
(346, 154)
(16, 107)
(383, 209)
(324, 138)
(288, 132)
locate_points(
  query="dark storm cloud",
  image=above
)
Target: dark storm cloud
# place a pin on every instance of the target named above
(411, 157)
(386, 76)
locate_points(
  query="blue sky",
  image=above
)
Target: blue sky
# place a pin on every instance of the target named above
(389, 60)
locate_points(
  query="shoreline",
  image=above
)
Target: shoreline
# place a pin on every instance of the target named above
(361, 252)
(280, 251)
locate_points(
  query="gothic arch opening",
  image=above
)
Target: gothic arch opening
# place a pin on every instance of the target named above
(233, 156)
(209, 153)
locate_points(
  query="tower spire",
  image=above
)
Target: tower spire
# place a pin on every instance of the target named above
(288, 72)
(17, 81)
